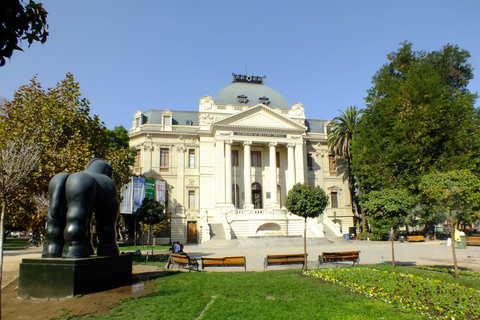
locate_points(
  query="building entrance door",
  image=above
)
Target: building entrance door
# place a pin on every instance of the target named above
(257, 196)
(191, 231)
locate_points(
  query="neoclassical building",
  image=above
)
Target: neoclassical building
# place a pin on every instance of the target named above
(229, 166)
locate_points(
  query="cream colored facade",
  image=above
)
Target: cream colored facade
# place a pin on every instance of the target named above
(229, 166)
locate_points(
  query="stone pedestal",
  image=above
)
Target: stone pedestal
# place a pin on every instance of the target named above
(63, 278)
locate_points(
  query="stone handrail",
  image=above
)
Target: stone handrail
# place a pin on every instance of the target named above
(335, 227)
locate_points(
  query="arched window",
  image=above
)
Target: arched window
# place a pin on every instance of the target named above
(257, 195)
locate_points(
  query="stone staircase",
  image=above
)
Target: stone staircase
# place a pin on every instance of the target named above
(216, 231)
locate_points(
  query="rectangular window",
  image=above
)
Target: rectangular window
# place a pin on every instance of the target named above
(332, 166)
(164, 159)
(277, 155)
(138, 158)
(334, 197)
(191, 199)
(256, 158)
(234, 158)
(310, 161)
(191, 158)
(167, 120)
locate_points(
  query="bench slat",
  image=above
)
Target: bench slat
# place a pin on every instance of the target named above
(281, 259)
(353, 256)
(419, 238)
(182, 261)
(234, 261)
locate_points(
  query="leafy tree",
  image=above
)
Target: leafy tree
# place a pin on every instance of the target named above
(119, 141)
(58, 121)
(20, 22)
(340, 136)
(388, 206)
(308, 202)
(456, 193)
(420, 117)
(17, 160)
(150, 212)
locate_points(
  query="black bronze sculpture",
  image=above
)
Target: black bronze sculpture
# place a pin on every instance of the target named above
(73, 200)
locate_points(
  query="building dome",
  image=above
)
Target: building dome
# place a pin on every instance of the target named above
(250, 91)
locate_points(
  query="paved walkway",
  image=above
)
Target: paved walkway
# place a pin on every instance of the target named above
(430, 253)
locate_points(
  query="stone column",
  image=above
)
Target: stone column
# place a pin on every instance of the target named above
(291, 165)
(273, 174)
(299, 162)
(228, 171)
(247, 173)
(220, 172)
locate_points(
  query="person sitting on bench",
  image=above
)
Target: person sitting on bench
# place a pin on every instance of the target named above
(178, 248)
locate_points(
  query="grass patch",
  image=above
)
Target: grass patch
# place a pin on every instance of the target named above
(285, 294)
(160, 247)
(15, 243)
(159, 260)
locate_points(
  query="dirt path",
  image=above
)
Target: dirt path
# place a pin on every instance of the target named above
(16, 309)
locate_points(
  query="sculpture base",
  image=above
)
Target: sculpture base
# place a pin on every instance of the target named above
(63, 278)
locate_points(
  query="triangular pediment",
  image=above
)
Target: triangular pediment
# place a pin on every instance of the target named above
(259, 117)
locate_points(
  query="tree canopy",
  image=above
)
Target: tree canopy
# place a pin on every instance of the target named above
(342, 132)
(420, 117)
(58, 121)
(456, 190)
(20, 22)
(456, 193)
(388, 207)
(151, 211)
(307, 202)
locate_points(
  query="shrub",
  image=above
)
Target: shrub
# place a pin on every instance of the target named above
(364, 235)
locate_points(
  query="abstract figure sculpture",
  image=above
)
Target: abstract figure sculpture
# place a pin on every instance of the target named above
(73, 200)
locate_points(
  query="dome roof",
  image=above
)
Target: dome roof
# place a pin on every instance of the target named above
(232, 93)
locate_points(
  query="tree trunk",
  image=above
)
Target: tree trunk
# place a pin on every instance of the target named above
(452, 235)
(393, 251)
(305, 244)
(2, 231)
(148, 237)
(351, 188)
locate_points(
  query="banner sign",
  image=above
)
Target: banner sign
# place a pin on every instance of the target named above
(150, 188)
(160, 188)
(138, 192)
(138, 189)
(127, 197)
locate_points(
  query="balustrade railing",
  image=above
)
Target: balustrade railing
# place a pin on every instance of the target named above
(241, 212)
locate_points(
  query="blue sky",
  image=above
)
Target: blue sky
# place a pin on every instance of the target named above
(142, 55)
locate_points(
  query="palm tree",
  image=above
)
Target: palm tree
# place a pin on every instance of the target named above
(342, 131)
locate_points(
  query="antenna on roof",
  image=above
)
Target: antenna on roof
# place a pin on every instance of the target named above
(246, 73)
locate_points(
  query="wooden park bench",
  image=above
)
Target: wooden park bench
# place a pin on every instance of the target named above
(339, 256)
(182, 261)
(282, 259)
(473, 241)
(418, 238)
(235, 261)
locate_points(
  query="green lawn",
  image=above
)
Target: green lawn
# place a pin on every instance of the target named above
(143, 248)
(15, 243)
(251, 295)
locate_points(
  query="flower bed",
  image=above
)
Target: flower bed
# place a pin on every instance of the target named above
(432, 298)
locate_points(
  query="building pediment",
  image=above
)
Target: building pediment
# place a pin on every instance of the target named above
(259, 117)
